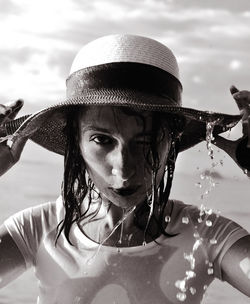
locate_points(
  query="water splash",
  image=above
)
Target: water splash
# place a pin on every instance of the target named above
(209, 137)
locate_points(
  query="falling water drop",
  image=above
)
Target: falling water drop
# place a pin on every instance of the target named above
(192, 290)
(181, 296)
(213, 241)
(202, 176)
(185, 220)
(209, 223)
(190, 274)
(167, 219)
(199, 220)
(198, 185)
(181, 284)
(77, 300)
(210, 271)
(196, 234)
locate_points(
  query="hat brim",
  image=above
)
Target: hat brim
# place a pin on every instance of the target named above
(45, 127)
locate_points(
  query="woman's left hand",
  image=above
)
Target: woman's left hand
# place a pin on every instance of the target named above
(242, 99)
(239, 150)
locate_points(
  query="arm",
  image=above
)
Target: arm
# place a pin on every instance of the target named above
(235, 265)
(9, 154)
(12, 263)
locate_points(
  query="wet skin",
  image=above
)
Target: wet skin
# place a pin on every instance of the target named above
(113, 145)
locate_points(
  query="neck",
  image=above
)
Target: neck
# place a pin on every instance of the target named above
(115, 226)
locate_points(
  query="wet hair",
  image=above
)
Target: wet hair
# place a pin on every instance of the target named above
(75, 187)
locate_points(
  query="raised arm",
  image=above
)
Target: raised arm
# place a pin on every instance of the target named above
(9, 152)
(12, 263)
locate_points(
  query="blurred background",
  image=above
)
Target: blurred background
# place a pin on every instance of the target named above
(211, 40)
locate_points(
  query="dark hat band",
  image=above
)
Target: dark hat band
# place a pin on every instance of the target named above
(125, 76)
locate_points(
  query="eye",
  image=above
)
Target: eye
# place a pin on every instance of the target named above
(101, 139)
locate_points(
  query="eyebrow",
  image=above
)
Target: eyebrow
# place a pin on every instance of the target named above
(104, 130)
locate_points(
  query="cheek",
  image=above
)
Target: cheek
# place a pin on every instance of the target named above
(95, 162)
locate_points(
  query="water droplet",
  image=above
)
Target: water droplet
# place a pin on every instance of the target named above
(209, 211)
(185, 220)
(190, 274)
(209, 223)
(221, 162)
(119, 250)
(245, 171)
(144, 243)
(213, 241)
(192, 290)
(77, 300)
(181, 296)
(210, 271)
(167, 219)
(199, 220)
(205, 287)
(202, 176)
(198, 184)
(197, 244)
(196, 234)
(190, 258)
(181, 284)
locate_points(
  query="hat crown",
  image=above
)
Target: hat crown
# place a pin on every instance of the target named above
(126, 48)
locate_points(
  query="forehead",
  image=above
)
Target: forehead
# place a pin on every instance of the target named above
(114, 118)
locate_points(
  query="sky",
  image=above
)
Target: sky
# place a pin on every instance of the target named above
(39, 39)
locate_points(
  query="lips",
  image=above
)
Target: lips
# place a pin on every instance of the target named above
(125, 191)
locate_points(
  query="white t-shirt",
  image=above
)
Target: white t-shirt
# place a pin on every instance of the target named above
(171, 270)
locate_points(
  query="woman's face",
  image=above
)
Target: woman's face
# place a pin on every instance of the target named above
(113, 145)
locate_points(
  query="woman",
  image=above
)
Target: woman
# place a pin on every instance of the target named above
(114, 236)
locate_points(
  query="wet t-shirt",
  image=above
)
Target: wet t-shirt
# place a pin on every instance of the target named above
(174, 269)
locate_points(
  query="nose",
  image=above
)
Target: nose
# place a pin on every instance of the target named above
(122, 164)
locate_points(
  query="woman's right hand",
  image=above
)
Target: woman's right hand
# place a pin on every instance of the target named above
(10, 154)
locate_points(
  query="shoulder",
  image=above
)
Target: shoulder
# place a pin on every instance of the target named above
(45, 215)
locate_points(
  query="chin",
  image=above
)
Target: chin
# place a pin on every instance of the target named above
(125, 201)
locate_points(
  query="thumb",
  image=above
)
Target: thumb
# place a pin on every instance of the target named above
(233, 89)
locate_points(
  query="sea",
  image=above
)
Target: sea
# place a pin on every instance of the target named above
(215, 183)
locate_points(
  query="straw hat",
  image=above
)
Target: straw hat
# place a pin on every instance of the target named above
(120, 70)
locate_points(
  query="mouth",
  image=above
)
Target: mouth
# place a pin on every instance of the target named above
(125, 191)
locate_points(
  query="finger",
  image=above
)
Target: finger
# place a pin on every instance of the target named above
(4, 112)
(233, 89)
(242, 99)
(15, 108)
